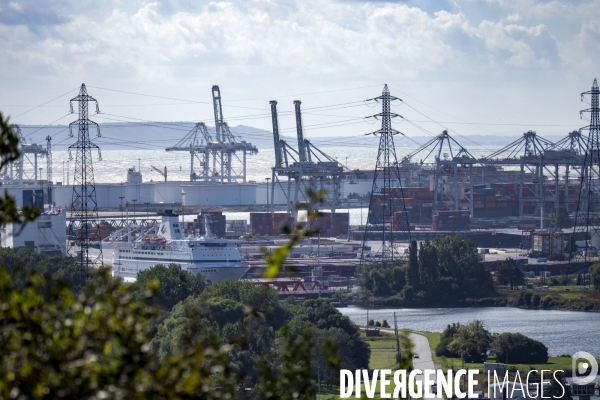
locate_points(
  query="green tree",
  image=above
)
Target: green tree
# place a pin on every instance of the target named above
(519, 349)
(324, 316)
(93, 345)
(562, 220)
(547, 302)
(428, 262)
(509, 273)
(382, 279)
(175, 285)
(595, 275)
(412, 270)
(535, 300)
(446, 338)
(9, 152)
(527, 296)
(471, 342)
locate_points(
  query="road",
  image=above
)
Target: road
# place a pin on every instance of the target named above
(421, 347)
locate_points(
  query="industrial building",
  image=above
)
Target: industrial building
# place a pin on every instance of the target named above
(46, 235)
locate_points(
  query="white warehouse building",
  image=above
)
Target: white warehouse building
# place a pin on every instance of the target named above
(46, 235)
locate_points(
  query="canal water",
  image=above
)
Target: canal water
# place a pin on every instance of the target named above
(563, 332)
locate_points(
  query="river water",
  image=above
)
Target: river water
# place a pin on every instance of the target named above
(563, 332)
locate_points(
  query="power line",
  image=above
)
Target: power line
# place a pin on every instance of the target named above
(43, 104)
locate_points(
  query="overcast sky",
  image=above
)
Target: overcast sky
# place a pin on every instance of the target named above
(475, 67)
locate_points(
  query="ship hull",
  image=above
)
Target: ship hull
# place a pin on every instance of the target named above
(211, 272)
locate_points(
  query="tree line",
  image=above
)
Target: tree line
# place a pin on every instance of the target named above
(165, 336)
(472, 342)
(441, 271)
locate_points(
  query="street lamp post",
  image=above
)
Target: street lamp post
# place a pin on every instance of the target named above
(267, 179)
(183, 208)
(134, 201)
(121, 197)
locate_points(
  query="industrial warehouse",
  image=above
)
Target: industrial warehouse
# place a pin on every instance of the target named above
(533, 200)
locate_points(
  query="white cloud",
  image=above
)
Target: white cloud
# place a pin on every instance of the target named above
(290, 42)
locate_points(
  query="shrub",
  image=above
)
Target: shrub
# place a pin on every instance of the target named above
(519, 349)
(385, 324)
(547, 302)
(378, 324)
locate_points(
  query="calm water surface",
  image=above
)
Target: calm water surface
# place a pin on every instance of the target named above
(564, 332)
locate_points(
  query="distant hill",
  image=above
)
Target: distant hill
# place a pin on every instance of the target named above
(158, 135)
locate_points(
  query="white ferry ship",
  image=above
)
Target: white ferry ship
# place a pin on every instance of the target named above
(216, 259)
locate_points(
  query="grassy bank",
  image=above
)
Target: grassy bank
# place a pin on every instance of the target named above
(567, 298)
(553, 364)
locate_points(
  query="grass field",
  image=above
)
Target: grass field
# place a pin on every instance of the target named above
(553, 364)
(383, 356)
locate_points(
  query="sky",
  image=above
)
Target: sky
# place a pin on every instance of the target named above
(474, 67)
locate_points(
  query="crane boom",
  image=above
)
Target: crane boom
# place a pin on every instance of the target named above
(276, 134)
(164, 174)
(301, 144)
(216, 93)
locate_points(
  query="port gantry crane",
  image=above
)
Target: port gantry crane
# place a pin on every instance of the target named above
(307, 168)
(26, 166)
(540, 160)
(218, 156)
(449, 178)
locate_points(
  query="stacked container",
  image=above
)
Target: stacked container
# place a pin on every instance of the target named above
(451, 221)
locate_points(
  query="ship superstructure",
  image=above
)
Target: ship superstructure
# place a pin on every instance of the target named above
(216, 259)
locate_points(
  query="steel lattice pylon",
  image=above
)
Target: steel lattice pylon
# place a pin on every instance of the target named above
(587, 218)
(83, 222)
(387, 213)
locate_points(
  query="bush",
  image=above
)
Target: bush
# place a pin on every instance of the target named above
(547, 302)
(371, 323)
(519, 349)
(527, 297)
(385, 324)
(535, 300)
(378, 324)
(471, 341)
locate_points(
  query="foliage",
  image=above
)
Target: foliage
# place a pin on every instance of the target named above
(445, 338)
(412, 270)
(93, 345)
(562, 220)
(518, 349)
(322, 315)
(61, 268)
(547, 302)
(535, 300)
(595, 275)
(471, 342)
(509, 273)
(294, 381)
(449, 271)
(383, 279)
(428, 263)
(175, 285)
(233, 313)
(9, 152)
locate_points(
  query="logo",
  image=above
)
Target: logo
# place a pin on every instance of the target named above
(581, 367)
